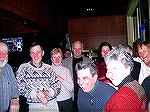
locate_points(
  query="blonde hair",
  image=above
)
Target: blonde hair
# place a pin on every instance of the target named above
(56, 51)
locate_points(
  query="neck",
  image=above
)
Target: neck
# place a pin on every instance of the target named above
(78, 56)
(37, 65)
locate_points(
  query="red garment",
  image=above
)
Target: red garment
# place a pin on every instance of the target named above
(129, 98)
(101, 69)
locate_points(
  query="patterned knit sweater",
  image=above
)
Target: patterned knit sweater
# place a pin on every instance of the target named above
(31, 78)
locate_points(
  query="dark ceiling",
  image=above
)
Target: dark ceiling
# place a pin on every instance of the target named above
(78, 8)
(69, 9)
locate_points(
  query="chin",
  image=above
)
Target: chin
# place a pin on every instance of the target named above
(85, 91)
(115, 84)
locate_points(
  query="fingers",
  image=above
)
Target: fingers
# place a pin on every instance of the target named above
(42, 97)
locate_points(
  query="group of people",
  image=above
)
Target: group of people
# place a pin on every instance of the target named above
(76, 83)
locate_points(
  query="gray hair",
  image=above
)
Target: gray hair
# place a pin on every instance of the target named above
(127, 48)
(83, 65)
(77, 42)
(117, 54)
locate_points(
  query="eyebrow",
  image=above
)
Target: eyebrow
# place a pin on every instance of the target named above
(85, 77)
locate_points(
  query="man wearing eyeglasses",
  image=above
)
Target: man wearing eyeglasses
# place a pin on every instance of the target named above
(8, 84)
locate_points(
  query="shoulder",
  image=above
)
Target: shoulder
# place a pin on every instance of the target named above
(65, 69)
(124, 94)
(47, 65)
(67, 59)
(137, 63)
(125, 98)
(106, 87)
(146, 81)
(7, 66)
(135, 86)
(132, 90)
(81, 94)
(24, 64)
(87, 59)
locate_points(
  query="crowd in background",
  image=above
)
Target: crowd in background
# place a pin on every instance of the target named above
(117, 81)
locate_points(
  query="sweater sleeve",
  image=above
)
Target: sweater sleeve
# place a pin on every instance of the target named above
(21, 80)
(54, 83)
(14, 92)
(68, 82)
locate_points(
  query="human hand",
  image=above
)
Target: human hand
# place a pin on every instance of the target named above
(14, 105)
(45, 92)
(41, 95)
(60, 78)
(44, 101)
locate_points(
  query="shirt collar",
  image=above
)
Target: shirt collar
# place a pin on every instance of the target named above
(31, 62)
(126, 80)
(94, 88)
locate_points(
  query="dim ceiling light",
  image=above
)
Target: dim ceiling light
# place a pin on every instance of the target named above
(89, 9)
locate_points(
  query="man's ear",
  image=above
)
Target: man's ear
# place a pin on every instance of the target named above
(43, 52)
(95, 76)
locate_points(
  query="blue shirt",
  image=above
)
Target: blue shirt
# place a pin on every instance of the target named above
(96, 99)
(10, 87)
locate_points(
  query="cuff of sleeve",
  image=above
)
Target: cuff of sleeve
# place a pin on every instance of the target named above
(16, 98)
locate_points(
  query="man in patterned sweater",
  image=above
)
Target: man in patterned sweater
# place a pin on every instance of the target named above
(37, 82)
(130, 96)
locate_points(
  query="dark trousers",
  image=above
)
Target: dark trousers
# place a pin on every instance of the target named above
(65, 106)
(24, 107)
(75, 102)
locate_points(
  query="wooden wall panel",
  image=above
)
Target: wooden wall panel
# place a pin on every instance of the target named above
(92, 31)
(42, 12)
(93, 41)
(24, 8)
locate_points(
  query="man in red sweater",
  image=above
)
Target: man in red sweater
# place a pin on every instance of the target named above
(130, 96)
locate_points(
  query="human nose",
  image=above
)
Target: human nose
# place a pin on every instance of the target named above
(35, 55)
(105, 52)
(77, 50)
(3, 55)
(57, 60)
(109, 75)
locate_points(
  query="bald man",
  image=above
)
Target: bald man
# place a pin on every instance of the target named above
(9, 90)
(70, 62)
